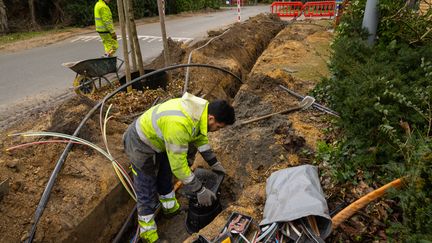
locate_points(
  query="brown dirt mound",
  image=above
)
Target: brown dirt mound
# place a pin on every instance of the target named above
(296, 58)
(86, 176)
(252, 152)
(84, 180)
(235, 49)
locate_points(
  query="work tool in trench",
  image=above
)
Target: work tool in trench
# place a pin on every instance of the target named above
(236, 226)
(300, 230)
(91, 70)
(304, 104)
(233, 231)
(315, 105)
(303, 214)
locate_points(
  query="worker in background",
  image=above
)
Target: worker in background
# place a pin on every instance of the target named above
(105, 27)
(157, 144)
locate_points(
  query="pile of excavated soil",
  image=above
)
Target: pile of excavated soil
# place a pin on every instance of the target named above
(87, 177)
(251, 152)
(265, 52)
(296, 58)
(234, 49)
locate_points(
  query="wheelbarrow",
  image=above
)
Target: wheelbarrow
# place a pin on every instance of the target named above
(91, 70)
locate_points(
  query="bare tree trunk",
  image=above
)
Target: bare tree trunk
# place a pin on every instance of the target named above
(161, 8)
(4, 27)
(120, 8)
(135, 39)
(58, 13)
(126, 4)
(33, 24)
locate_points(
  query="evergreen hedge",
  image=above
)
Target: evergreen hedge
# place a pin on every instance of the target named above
(80, 12)
(60, 13)
(384, 95)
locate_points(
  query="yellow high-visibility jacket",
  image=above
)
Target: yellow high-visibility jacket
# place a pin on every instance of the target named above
(170, 127)
(103, 18)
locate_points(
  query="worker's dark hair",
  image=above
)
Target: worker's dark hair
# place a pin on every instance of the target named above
(222, 111)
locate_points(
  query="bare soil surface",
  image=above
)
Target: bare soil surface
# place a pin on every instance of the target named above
(265, 52)
(86, 176)
(253, 151)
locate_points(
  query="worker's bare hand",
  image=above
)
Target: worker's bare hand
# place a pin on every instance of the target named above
(217, 167)
(114, 36)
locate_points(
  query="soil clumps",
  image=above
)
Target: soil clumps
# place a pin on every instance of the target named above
(263, 51)
(86, 177)
(251, 152)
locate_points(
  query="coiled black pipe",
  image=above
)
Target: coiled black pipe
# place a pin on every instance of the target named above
(45, 195)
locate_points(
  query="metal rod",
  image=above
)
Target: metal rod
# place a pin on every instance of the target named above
(315, 105)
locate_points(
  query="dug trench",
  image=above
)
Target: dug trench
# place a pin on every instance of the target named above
(88, 204)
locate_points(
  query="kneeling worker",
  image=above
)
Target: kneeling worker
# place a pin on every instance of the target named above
(157, 145)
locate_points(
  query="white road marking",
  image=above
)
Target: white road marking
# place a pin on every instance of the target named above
(147, 38)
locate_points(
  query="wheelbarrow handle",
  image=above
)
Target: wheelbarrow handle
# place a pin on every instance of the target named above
(121, 63)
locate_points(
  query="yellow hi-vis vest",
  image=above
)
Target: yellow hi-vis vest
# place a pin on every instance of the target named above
(170, 127)
(103, 18)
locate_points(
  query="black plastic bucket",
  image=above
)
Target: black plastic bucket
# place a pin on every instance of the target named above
(159, 80)
(199, 216)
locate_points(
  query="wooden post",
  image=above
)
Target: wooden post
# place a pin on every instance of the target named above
(129, 34)
(120, 8)
(238, 10)
(161, 8)
(136, 44)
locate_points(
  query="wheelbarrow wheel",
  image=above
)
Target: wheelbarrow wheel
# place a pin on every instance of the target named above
(84, 85)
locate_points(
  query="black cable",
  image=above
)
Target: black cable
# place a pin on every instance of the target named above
(126, 225)
(45, 195)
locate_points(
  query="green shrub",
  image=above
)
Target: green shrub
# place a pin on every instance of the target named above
(384, 95)
(192, 5)
(80, 13)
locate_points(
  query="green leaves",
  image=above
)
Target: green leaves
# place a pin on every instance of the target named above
(384, 96)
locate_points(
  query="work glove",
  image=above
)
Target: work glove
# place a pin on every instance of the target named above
(205, 197)
(114, 36)
(217, 167)
(192, 187)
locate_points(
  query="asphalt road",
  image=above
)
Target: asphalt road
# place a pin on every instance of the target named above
(32, 76)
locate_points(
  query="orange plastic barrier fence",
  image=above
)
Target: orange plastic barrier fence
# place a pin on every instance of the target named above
(287, 9)
(319, 9)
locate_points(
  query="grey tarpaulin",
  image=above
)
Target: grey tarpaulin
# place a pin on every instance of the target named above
(294, 193)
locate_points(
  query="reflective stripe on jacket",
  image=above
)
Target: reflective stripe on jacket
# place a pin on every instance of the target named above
(103, 18)
(170, 127)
